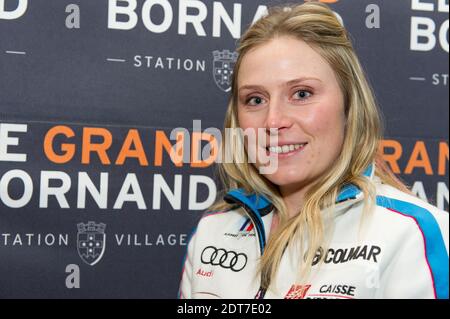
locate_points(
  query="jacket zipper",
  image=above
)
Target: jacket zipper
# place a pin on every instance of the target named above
(259, 230)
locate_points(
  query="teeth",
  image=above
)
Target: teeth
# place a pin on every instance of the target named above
(285, 148)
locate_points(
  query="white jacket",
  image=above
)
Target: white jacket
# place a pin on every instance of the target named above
(403, 251)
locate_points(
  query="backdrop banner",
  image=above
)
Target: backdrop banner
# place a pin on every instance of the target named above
(105, 108)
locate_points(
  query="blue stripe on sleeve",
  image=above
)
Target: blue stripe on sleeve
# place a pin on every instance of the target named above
(436, 252)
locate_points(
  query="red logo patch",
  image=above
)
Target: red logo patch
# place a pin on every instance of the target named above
(297, 292)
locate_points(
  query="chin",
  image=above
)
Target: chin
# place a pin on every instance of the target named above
(285, 179)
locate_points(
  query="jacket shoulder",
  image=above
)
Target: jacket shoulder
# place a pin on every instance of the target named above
(414, 214)
(213, 222)
(221, 216)
(397, 200)
(422, 231)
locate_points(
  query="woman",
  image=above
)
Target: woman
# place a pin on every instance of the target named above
(331, 221)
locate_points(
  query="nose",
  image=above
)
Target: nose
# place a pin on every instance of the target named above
(277, 117)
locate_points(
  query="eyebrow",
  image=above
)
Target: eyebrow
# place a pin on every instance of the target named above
(288, 83)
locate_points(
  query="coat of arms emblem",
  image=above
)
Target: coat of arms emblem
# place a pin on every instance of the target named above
(91, 242)
(223, 68)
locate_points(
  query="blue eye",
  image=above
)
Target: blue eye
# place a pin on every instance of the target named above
(302, 94)
(255, 100)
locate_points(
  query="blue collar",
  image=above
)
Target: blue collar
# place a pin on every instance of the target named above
(257, 203)
(262, 206)
(351, 191)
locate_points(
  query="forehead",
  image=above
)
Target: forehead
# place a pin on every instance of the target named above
(280, 60)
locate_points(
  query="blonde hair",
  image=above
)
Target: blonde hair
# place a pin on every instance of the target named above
(315, 24)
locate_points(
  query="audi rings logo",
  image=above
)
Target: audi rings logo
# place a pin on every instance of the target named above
(225, 259)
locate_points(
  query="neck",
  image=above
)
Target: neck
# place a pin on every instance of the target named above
(293, 198)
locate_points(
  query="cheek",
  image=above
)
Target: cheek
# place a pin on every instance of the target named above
(327, 126)
(248, 120)
(252, 124)
(247, 124)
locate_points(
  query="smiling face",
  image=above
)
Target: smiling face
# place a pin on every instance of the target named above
(287, 86)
